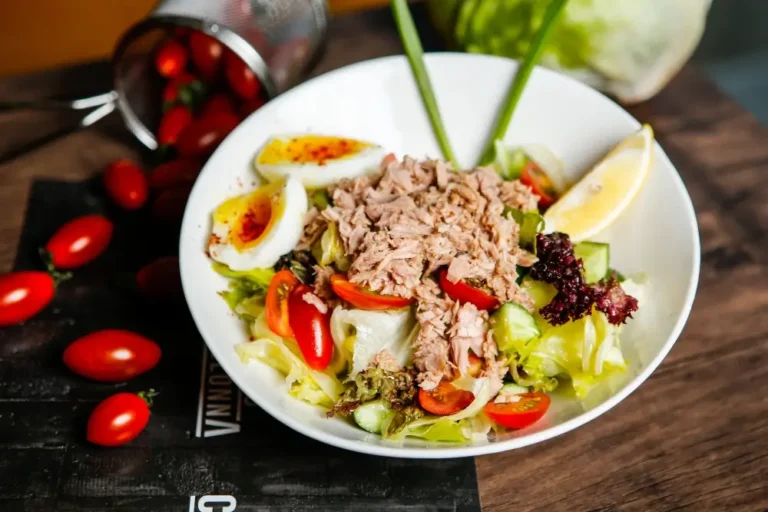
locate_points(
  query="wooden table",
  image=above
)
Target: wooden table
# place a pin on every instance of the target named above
(695, 435)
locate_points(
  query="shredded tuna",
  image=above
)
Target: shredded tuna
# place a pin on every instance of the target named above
(322, 285)
(314, 300)
(466, 334)
(386, 361)
(314, 226)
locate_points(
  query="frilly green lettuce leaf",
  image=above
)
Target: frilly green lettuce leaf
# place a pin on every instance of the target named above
(329, 250)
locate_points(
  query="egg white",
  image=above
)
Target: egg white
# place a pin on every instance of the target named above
(313, 175)
(281, 237)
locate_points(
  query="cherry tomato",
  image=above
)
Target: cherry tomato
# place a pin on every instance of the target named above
(445, 399)
(202, 136)
(388, 159)
(206, 55)
(527, 411)
(171, 59)
(365, 299)
(160, 281)
(248, 107)
(79, 241)
(111, 355)
(172, 124)
(311, 328)
(218, 104)
(475, 365)
(23, 295)
(126, 184)
(119, 419)
(277, 303)
(168, 207)
(540, 183)
(183, 89)
(241, 78)
(183, 171)
(463, 292)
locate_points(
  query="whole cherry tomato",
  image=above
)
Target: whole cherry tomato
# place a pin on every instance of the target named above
(248, 107)
(219, 103)
(171, 59)
(79, 241)
(183, 89)
(206, 55)
(168, 207)
(23, 295)
(126, 184)
(311, 328)
(172, 124)
(183, 171)
(119, 419)
(160, 281)
(203, 135)
(240, 77)
(111, 355)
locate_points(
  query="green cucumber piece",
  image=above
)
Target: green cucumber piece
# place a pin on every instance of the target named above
(513, 389)
(513, 326)
(542, 293)
(371, 416)
(531, 224)
(596, 257)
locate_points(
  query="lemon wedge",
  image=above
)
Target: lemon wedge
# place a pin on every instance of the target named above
(603, 193)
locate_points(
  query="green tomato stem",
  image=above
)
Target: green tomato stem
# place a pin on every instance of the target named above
(533, 55)
(415, 54)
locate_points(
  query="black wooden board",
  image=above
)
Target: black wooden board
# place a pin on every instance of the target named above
(235, 458)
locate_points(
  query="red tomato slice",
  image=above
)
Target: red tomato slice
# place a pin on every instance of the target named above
(463, 292)
(119, 419)
(540, 183)
(206, 55)
(126, 184)
(521, 414)
(183, 171)
(241, 78)
(203, 135)
(219, 103)
(79, 241)
(277, 302)
(160, 281)
(311, 328)
(171, 59)
(365, 299)
(23, 295)
(172, 124)
(445, 399)
(111, 355)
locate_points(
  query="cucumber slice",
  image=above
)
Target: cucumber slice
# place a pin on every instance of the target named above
(513, 326)
(596, 257)
(512, 389)
(542, 293)
(531, 224)
(371, 415)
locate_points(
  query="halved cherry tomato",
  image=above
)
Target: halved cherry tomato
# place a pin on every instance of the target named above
(540, 183)
(23, 295)
(119, 419)
(527, 411)
(206, 55)
(388, 159)
(277, 302)
(203, 135)
(171, 59)
(475, 365)
(462, 292)
(172, 124)
(248, 107)
(365, 299)
(111, 355)
(241, 78)
(311, 328)
(126, 184)
(218, 103)
(168, 207)
(445, 399)
(185, 89)
(79, 241)
(183, 171)
(160, 281)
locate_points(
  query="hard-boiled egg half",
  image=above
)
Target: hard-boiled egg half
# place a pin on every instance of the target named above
(253, 230)
(317, 160)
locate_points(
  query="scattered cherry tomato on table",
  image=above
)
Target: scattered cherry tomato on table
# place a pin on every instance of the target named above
(172, 124)
(79, 241)
(240, 77)
(445, 399)
(160, 281)
(248, 107)
(462, 292)
(365, 299)
(527, 410)
(311, 328)
(276, 313)
(119, 419)
(182, 171)
(126, 184)
(23, 295)
(203, 135)
(219, 103)
(111, 355)
(168, 207)
(171, 59)
(206, 53)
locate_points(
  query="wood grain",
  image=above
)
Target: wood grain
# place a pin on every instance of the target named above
(693, 437)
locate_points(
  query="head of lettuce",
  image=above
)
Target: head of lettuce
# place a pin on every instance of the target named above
(628, 48)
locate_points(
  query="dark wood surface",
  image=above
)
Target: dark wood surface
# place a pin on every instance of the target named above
(693, 437)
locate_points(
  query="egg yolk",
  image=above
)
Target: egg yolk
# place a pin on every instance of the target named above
(250, 216)
(309, 149)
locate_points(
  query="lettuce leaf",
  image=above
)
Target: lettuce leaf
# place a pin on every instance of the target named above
(329, 250)
(257, 276)
(245, 295)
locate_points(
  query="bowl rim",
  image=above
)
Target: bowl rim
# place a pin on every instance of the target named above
(461, 450)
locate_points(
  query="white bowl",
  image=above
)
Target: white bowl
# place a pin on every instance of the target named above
(377, 100)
